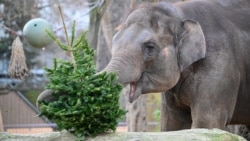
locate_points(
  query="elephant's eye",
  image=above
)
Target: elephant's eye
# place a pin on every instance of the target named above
(149, 47)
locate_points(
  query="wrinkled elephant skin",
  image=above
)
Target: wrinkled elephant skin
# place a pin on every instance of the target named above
(196, 52)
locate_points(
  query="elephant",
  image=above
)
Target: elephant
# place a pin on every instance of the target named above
(196, 52)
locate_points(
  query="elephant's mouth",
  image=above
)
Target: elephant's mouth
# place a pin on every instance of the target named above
(132, 91)
(135, 88)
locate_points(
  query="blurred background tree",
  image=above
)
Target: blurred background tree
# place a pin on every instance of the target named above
(13, 16)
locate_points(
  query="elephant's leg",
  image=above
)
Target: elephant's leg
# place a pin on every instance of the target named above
(209, 119)
(214, 100)
(172, 117)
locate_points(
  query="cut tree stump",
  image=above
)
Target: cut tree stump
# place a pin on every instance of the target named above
(183, 135)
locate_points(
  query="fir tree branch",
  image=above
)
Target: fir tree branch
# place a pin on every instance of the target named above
(67, 37)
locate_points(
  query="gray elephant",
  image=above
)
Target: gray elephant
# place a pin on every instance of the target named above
(197, 52)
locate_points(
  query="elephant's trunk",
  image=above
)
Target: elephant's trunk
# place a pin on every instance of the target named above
(126, 72)
(46, 95)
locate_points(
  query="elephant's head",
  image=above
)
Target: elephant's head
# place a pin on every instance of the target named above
(153, 47)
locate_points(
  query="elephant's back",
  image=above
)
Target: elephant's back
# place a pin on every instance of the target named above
(226, 26)
(225, 23)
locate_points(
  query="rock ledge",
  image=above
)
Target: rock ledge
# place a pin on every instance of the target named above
(183, 135)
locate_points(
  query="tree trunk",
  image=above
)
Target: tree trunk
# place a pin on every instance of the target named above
(95, 21)
(136, 118)
(1, 122)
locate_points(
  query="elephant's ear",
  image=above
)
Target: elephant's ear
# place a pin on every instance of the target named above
(192, 45)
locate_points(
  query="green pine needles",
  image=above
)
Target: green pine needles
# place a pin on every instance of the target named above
(85, 104)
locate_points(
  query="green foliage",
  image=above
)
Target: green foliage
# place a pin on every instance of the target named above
(157, 114)
(86, 104)
(31, 95)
